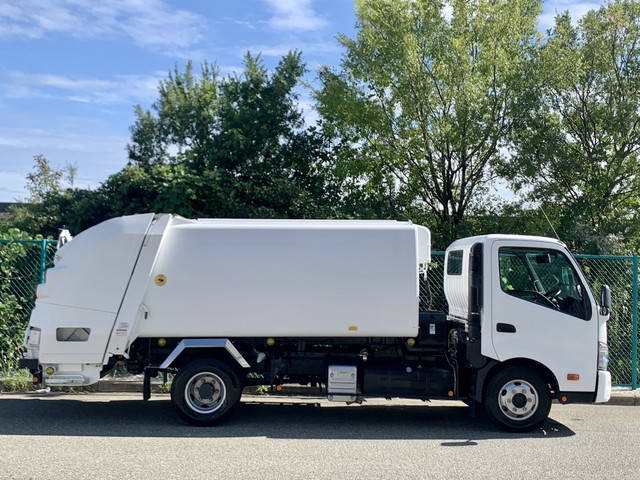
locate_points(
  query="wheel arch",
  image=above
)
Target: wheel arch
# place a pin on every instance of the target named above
(196, 348)
(484, 376)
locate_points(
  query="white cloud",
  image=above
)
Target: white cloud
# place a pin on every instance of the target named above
(149, 23)
(306, 104)
(295, 15)
(43, 140)
(11, 186)
(118, 89)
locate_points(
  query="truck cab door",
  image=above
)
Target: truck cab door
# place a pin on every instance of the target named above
(542, 310)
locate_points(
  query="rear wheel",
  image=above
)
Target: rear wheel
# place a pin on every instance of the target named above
(517, 399)
(204, 392)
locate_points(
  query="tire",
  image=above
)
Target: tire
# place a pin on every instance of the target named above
(205, 392)
(517, 399)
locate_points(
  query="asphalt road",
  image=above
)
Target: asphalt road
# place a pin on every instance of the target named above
(118, 436)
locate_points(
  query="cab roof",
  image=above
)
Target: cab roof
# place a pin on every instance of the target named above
(464, 242)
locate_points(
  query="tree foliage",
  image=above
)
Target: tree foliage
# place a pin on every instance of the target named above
(577, 139)
(232, 146)
(422, 102)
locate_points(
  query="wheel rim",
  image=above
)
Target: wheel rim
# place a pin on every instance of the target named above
(205, 392)
(518, 400)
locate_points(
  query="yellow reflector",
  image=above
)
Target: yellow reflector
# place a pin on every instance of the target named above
(411, 342)
(271, 342)
(50, 371)
(573, 376)
(162, 342)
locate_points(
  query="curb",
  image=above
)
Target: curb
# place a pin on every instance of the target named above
(628, 399)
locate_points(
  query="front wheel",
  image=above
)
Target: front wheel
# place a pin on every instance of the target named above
(517, 399)
(204, 392)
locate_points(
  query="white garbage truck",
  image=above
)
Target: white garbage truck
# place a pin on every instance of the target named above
(223, 304)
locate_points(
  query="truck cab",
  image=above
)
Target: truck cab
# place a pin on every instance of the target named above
(222, 304)
(528, 309)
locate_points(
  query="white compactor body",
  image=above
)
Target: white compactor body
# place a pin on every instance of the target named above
(161, 275)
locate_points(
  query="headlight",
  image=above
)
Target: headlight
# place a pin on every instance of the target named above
(603, 356)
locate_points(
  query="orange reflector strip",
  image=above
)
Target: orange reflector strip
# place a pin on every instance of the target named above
(573, 376)
(353, 328)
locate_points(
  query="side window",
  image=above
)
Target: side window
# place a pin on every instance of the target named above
(542, 276)
(454, 262)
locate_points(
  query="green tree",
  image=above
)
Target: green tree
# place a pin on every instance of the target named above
(231, 146)
(422, 102)
(45, 184)
(44, 178)
(577, 138)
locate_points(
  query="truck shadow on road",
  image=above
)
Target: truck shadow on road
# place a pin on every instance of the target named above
(134, 418)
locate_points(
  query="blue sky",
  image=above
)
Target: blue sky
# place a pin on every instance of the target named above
(72, 70)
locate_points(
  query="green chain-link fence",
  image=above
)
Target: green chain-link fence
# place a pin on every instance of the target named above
(23, 264)
(22, 267)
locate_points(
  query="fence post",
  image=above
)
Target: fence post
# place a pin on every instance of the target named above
(634, 325)
(43, 259)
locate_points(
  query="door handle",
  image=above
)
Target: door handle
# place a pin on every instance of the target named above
(506, 328)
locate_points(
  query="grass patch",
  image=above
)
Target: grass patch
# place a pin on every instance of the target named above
(16, 381)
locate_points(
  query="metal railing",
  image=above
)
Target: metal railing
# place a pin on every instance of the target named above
(23, 264)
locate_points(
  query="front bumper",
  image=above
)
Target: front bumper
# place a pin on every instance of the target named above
(601, 395)
(603, 392)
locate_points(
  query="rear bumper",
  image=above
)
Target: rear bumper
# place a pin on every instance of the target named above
(603, 389)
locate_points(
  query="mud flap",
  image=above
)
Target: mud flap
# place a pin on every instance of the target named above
(146, 382)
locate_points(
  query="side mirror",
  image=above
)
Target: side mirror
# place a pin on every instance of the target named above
(605, 300)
